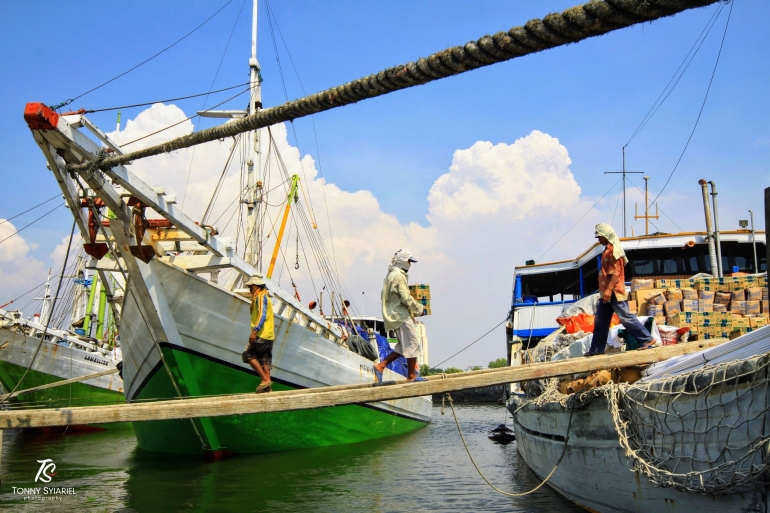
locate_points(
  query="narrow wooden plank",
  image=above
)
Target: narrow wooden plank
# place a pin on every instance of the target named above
(335, 396)
(59, 383)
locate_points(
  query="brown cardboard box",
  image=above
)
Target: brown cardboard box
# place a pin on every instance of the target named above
(718, 307)
(655, 310)
(738, 295)
(753, 294)
(689, 294)
(722, 298)
(660, 320)
(632, 308)
(672, 307)
(420, 291)
(707, 318)
(753, 308)
(741, 322)
(705, 305)
(684, 319)
(640, 296)
(674, 294)
(642, 284)
(765, 305)
(738, 307)
(657, 299)
(673, 284)
(765, 294)
(757, 322)
(706, 294)
(689, 305)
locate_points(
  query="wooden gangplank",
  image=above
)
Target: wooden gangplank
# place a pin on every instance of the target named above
(242, 404)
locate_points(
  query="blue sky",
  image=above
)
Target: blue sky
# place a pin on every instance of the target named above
(590, 96)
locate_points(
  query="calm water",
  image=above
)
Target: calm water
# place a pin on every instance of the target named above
(424, 471)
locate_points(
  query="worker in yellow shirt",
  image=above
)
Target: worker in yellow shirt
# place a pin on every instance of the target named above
(259, 353)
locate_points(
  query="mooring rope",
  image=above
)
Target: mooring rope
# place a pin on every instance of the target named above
(544, 481)
(594, 18)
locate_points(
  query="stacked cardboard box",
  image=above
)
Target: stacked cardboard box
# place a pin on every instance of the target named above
(710, 307)
(421, 293)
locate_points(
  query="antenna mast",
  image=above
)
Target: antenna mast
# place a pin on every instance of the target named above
(624, 173)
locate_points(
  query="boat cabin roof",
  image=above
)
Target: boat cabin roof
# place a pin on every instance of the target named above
(679, 255)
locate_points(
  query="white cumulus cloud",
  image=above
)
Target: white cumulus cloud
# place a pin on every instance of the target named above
(497, 205)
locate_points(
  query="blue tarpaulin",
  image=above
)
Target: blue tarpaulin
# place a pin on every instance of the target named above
(383, 348)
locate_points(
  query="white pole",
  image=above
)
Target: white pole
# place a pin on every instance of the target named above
(117, 129)
(754, 242)
(716, 229)
(45, 311)
(253, 196)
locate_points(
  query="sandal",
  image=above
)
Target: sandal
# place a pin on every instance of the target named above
(265, 387)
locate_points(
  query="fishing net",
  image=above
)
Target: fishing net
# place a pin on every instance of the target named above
(703, 432)
(706, 432)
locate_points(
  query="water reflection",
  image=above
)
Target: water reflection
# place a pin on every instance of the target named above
(427, 470)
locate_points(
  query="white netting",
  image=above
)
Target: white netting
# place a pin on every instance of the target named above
(702, 432)
(707, 431)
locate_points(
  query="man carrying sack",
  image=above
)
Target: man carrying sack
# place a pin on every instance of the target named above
(398, 310)
(259, 353)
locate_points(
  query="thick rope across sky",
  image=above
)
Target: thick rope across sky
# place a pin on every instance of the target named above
(594, 18)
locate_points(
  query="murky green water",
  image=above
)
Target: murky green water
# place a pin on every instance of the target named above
(424, 471)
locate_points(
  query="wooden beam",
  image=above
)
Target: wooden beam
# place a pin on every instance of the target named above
(242, 404)
(169, 234)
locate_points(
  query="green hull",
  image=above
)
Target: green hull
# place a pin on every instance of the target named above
(266, 432)
(74, 394)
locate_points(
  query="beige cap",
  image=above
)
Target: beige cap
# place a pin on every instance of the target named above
(255, 280)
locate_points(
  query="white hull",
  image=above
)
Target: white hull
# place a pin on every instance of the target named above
(596, 474)
(207, 320)
(56, 361)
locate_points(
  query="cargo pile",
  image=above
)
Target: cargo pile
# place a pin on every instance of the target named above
(710, 307)
(421, 293)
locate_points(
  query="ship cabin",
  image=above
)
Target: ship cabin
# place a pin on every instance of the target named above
(541, 290)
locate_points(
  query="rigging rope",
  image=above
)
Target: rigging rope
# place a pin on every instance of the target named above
(91, 111)
(708, 89)
(186, 119)
(591, 19)
(213, 80)
(469, 345)
(30, 224)
(29, 209)
(67, 102)
(576, 222)
(658, 102)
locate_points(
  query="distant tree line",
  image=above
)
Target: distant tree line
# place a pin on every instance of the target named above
(430, 371)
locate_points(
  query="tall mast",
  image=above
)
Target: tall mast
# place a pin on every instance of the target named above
(253, 195)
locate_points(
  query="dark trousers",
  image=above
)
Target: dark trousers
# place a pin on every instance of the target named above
(603, 318)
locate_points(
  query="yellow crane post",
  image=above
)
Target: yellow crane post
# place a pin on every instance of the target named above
(291, 197)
